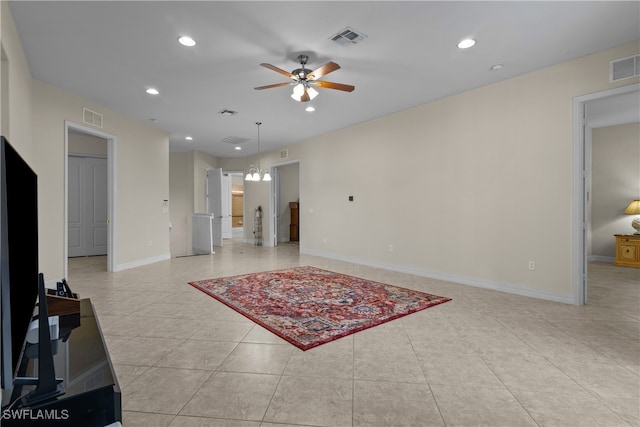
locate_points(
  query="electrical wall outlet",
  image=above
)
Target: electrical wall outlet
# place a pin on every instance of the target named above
(390, 248)
(532, 265)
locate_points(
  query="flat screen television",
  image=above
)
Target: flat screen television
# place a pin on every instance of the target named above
(18, 256)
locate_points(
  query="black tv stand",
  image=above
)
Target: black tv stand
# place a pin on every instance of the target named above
(91, 392)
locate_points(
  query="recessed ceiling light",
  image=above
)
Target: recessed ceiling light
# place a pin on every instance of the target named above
(188, 138)
(153, 91)
(237, 147)
(496, 67)
(466, 43)
(310, 109)
(186, 41)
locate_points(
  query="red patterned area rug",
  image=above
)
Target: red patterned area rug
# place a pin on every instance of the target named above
(308, 306)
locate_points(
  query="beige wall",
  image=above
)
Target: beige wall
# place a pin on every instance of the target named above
(87, 145)
(15, 90)
(142, 180)
(141, 157)
(469, 188)
(187, 176)
(615, 181)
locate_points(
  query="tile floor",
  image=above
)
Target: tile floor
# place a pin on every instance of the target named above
(485, 358)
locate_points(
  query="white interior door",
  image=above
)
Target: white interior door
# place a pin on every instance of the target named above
(87, 206)
(75, 201)
(276, 203)
(214, 202)
(96, 183)
(225, 204)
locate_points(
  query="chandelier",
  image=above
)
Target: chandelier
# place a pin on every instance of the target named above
(256, 173)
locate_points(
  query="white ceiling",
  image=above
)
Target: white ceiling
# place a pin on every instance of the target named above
(110, 52)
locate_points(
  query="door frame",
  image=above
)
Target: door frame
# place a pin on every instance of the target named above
(581, 179)
(241, 174)
(112, 141)
(274, 196)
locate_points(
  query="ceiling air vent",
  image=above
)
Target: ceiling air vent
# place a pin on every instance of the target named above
(226, 112)
(91, 117)
(347, 37)
(284, 154)
(235, 140)
(624, 68)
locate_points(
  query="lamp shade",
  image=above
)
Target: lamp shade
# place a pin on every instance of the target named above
(633, 208)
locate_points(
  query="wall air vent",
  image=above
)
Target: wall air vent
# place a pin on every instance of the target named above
(91, 117)
(235, 140)
(348, 36)
(284, 154)
(624, 68)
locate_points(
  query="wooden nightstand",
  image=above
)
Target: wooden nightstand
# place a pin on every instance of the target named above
(627, 250)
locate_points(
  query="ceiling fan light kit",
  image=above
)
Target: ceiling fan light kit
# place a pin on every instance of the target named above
(305, 81)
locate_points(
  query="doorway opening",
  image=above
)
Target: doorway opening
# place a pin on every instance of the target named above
(95, 234)
(284, 208)
(237, 205)
(584, 121)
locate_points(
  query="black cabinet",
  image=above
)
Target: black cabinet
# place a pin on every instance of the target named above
(92, 395)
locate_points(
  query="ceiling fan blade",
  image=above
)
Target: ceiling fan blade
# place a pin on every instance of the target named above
(278, 70)
(323, 70)
(273, 85)
(331, 85)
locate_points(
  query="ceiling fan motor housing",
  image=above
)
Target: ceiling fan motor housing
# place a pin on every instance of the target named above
(301, 73)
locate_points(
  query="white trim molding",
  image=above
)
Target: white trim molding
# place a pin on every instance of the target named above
(142, 262)
(462, 280)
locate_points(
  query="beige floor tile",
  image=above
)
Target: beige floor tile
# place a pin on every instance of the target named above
(605, 379)
(260, 335)
(233, 395)
(196, 354)
(128, 373)
(466, 406)
(258, 358)
(143, 351)
(394, 404)
(331, 360)
(162, 390)
(626, 408)
(312, 401)
(387, 363)
(182, 421)
(458, 369)
(145, 419)
(530, 372)
(221, 330)
(560, 410)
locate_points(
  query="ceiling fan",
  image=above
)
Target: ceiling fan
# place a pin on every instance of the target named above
(304, 80)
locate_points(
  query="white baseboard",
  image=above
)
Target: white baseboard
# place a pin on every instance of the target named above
(463, 280)
(141, 262)
(600, 258)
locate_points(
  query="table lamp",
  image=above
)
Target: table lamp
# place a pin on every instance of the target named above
(634, 209)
